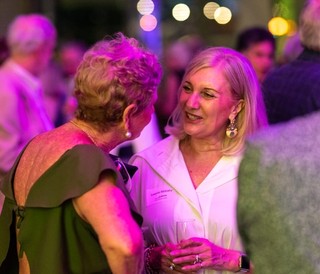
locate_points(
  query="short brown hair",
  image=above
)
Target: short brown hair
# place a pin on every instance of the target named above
(113, 74)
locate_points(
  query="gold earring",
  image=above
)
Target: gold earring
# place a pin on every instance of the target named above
(232, 129)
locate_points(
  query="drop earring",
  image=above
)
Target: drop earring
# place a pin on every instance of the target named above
(232, 129)
(128, 134)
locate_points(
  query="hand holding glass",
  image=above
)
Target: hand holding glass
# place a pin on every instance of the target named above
(184, 229)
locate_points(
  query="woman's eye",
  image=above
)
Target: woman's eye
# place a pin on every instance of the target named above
(186, 88)
(207, 95)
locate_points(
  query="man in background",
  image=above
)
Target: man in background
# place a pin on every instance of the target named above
(31, 40)
(293, 90)
(58, 82)
(259, 46)
(70, 56)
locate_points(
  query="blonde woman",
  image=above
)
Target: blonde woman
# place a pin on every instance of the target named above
(192, 175)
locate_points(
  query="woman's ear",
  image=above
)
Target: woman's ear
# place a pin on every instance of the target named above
(236, 109)
(127, 114)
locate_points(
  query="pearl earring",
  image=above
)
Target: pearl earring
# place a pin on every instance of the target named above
(128, 134)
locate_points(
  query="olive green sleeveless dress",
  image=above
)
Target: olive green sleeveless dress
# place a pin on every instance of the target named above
(55, 239)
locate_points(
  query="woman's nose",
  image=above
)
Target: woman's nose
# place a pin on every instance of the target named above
(193, 100)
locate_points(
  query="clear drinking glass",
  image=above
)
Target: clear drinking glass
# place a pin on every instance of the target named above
(184, 229)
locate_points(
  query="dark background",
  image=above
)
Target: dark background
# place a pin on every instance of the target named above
(91, 20)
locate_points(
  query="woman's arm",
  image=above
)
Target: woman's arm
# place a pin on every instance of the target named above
(106, 209)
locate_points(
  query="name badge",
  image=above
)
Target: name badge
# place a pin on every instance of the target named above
(158, 195)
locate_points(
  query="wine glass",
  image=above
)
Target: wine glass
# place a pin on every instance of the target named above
(184, 229)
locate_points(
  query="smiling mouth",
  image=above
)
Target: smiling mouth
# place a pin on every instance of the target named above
(192, 117)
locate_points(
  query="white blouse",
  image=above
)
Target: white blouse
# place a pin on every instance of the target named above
(164, 194)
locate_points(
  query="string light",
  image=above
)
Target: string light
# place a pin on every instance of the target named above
(222, 15)
(209, 9)
(181, 12)
(278, 26)
(145, 7)
(148, 22)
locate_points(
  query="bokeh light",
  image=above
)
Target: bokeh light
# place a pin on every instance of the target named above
(181, 12)
(278, 26)
(145, 7)
(209, 9)
(148, 22)
(222, 15)
(292, 27)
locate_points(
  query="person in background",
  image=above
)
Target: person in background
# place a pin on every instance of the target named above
(54, 92)
(58, 82)
(176, 57)
(65, 190)
(69, 57)
(192, 174)
(279, 194)
(259, 46)
(4, 51)
(31, 40)
(292, 90)
(292, 48)
(4, 54)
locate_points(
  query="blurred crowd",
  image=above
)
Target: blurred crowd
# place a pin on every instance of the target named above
(57, 82)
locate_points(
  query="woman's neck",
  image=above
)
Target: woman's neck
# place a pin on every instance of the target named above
(103, 140)
(200, 157)
(201, 146)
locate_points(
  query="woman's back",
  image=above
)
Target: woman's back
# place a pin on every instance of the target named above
(52, 236)
(40, 154)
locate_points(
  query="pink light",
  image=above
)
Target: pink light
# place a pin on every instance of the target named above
(148, 22)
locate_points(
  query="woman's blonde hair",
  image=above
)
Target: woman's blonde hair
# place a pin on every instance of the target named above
(113, 74)
(244, 85)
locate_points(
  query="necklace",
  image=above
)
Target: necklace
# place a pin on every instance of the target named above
(87, 134)
(106, 146)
